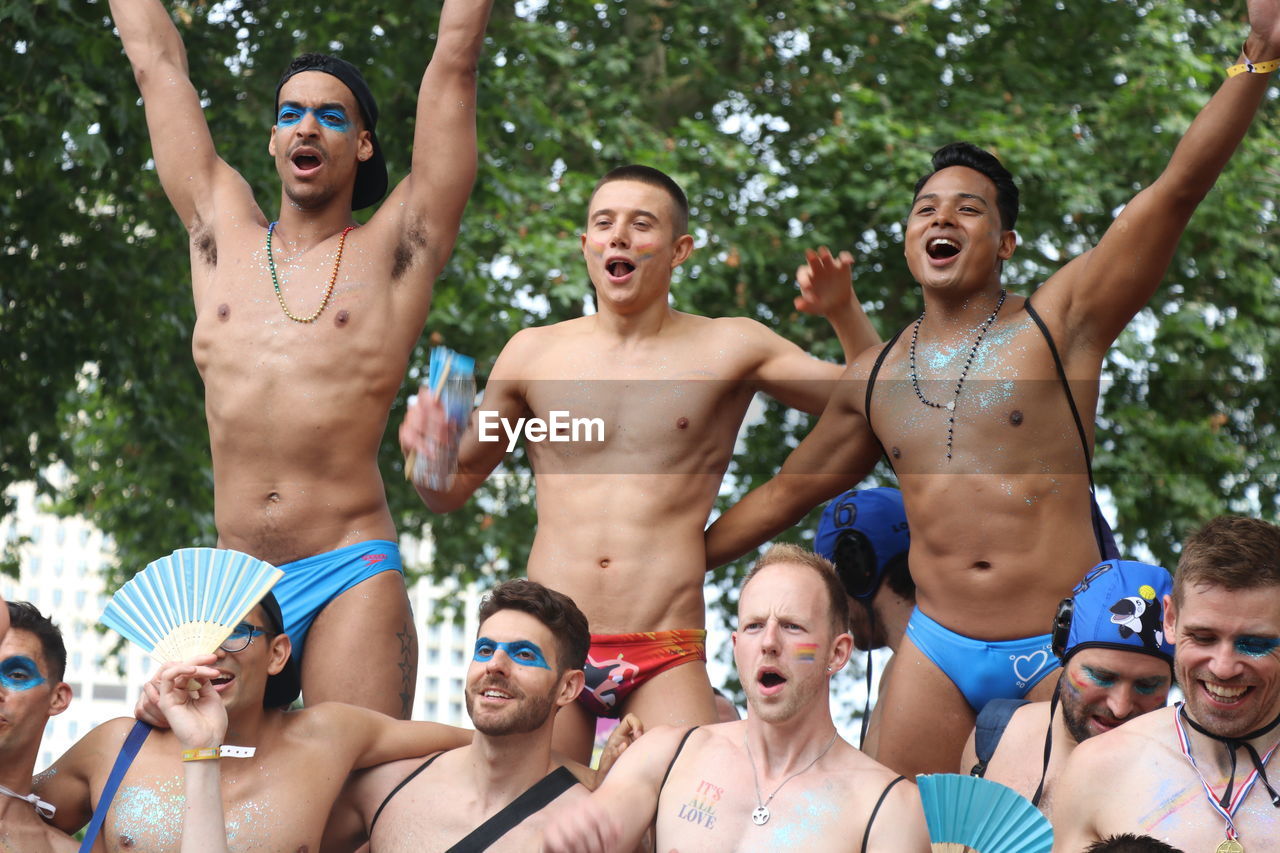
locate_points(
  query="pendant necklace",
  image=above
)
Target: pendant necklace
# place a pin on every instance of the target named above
(950, 405)
(1228, 805)
(333, 277)
(760, 816)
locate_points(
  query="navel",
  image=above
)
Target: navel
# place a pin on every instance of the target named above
(604, 562)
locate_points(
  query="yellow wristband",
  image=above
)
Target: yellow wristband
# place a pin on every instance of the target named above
(204, 754)
(1248, 67)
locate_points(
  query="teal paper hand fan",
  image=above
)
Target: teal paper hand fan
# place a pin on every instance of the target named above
(188, 603)
(966, 813)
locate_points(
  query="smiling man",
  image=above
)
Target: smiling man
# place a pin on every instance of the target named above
(985, 411)
(1195, 775)
(1117, 665)
(809, 788)
(671, 390)
(32, 663)
(304, 327)
(492, 794)
(277, 798)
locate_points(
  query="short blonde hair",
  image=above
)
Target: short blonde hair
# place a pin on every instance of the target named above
(784, 552)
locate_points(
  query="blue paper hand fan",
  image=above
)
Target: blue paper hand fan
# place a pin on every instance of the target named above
(188, 603)
(966, 813)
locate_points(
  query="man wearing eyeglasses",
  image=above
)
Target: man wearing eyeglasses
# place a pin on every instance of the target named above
(276, 798)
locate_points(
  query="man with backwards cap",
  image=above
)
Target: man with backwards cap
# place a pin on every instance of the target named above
(863, 532)
(1117, 665)
(1198, 775)
(304, 326)
(280, 771)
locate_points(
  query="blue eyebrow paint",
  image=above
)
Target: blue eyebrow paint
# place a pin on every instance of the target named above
(522, 652)
(1257, 647)
(19, 673)
(333, 118)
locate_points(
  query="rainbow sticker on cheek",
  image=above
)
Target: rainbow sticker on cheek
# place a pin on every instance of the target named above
(807, 652)
(19, 673)
(522, 652)
(1257, 647)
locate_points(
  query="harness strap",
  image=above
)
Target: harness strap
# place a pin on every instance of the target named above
(127, 753)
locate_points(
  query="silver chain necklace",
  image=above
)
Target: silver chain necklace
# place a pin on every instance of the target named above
(761, 814)
(950, 405)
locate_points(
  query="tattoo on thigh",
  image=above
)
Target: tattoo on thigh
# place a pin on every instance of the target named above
(408, 668)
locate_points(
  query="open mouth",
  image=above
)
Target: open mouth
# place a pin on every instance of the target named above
(619, 268)
(221, 680)
(942, 248)
(771, 680)
(305, 162)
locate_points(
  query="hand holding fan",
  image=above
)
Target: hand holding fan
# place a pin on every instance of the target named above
(189, 602)
(966, 813)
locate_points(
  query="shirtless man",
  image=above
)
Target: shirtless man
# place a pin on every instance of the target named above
(1117, 665)
(671, 390)
(990, 442)
(279, 798)
(32, 663)
(530, 650)
(809, 787)
(303, 330)
(1224, 619)
(864, 534)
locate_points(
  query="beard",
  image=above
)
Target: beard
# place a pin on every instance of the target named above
(1075, 714)
(527, 713)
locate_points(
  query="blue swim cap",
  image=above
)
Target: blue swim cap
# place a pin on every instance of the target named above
(1118, 605)
(862, 532)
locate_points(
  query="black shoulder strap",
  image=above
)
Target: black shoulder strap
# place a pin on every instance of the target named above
(1048, 746)
(866, 835)
(989, 728)
(405, 781)
(533, 800)
(674, 757)
(1106, 543)
(875, 370)
(871, 384)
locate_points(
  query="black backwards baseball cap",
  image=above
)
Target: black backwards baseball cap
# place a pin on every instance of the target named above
(285, 685)
(862, 532)
(1118, 605)
(371, 174)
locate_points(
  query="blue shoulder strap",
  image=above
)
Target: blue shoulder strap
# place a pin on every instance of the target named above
(128, 752)
(990, 728)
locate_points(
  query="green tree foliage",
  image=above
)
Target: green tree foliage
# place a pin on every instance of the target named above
(791, 124)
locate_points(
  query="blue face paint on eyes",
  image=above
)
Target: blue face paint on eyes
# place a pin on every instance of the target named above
(522, 652)
(1098, 679)
(333, 118)
(1257, 647)
(19, 673)
(1146, 689)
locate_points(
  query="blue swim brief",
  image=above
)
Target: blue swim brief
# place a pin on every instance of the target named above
(982, 669)
(312, 582)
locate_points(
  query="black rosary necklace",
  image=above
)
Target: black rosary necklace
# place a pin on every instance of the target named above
(950, 405)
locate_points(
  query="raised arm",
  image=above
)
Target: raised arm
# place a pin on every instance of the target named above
(785, 371)
(190, 171)
(1099, 292)
(826, 288)
(444, 141)
(617, 814)
(376, 738)
(835, 456)
(198, 718)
